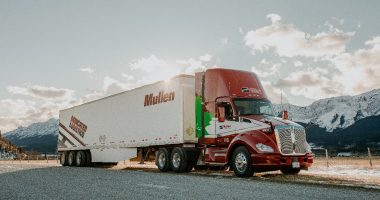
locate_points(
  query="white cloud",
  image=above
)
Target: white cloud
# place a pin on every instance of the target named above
(289, 41)
(42, 92)
(274, 18)
(241, 31)
(311, 83)
(297, 63)
(127, 76)
(19, 112)
(205, 58)
(359, 70)
(274, 93)
(191, 65)
(149, 64)
(224, 41)
(87, 70)
(264, 61)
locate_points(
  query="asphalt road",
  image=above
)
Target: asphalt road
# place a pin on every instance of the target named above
(97, 183)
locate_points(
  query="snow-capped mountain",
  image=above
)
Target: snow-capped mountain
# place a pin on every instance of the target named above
(40, 136)
(337, 112)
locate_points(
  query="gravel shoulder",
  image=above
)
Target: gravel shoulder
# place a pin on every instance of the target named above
(55, 182)
(346, 175)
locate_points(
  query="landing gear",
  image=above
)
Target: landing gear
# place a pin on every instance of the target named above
(241, 162)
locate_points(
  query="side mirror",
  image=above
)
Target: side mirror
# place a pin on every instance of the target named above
(221, 114)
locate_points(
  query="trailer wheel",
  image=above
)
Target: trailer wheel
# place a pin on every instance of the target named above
(178, 160)
(290, 171)
(163, 160)
(63, 158)
(80, 159)
(71, 158)
(88, 158)
(241, 162)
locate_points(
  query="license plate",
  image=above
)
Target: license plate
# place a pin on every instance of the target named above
(295, 165)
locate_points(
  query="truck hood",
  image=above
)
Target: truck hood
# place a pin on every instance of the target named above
(276, 121)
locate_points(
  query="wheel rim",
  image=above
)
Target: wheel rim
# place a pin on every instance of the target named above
(176, 160)
(161, 160)
(241, 162)
(79, 158)
(70, 159)
(63, 158)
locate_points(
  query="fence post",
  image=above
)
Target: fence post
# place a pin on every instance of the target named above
(28, 158)
(327, 158)
(369, 156)
(20, 158)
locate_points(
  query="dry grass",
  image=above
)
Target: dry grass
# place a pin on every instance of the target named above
(351, 161)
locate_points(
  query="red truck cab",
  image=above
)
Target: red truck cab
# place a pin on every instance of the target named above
(236, 126)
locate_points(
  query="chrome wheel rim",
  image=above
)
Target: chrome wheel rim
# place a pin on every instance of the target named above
(161, 160)
(241, 162)
(176, 160)
(79, 158)
(63, 158)
(70, 159)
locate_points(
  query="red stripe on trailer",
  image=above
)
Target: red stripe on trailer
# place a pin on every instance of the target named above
(66, 139)
(74, 136)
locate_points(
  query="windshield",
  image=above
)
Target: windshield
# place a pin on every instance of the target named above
(253, 107)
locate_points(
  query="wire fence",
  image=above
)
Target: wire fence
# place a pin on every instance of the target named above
(344, 157)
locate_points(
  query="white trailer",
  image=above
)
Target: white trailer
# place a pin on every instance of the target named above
(111, 129)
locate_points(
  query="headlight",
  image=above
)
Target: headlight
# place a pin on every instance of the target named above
(264, 148)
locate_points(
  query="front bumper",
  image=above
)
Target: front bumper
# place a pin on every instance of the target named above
(269, 162)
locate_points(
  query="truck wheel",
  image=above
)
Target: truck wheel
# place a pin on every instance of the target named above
(290, 171)
(71, 158)
(80, 159)
(88, 158)
(241, 162)
(163, 160)
(178, 160)
(63, 158)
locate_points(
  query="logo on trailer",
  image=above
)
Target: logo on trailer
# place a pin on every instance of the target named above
(78, 126)
(162, 97)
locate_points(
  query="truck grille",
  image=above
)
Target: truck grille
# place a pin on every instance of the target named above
(291, 140)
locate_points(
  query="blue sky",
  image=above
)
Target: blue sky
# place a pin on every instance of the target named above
(55, 54)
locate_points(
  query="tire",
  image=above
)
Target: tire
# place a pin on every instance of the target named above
(71, 158)
(178, 160)
(190, 166)
(80, 159)
(290, 171)
(88, 159)
(241, 162)
(63, 158)
(163, 160)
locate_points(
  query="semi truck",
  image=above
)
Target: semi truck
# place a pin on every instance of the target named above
(216, 118)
